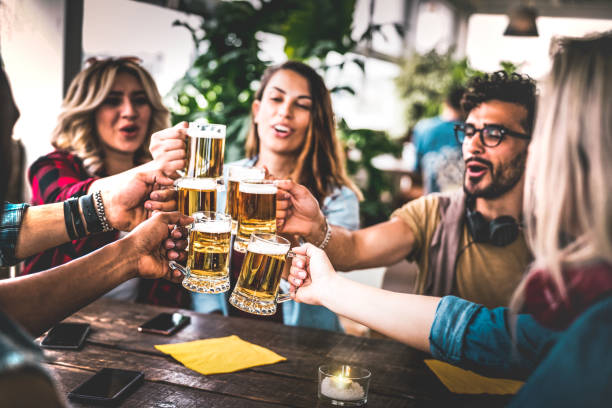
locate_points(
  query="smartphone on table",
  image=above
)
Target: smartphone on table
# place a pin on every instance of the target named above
(107, 386)
(66, 336)
(165, 323)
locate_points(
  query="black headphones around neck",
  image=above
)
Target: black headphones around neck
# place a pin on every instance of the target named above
(500, 232)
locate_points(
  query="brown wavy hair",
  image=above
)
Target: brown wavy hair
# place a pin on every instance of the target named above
(514, 88)
(76, 129)
(321, 165)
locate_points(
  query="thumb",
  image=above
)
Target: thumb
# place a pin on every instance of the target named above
(173, 217)
(309, 250)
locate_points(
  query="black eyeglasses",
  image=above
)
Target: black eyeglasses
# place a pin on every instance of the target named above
(490, 135)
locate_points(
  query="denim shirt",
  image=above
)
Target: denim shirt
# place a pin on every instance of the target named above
(10, 223)
(565, 368)
(340, 208)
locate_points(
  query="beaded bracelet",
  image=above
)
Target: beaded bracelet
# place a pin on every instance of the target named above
(100, 211)
(328, 233)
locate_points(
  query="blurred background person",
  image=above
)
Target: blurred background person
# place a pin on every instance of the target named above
(108, 115)
(438, 155)
(293, 135)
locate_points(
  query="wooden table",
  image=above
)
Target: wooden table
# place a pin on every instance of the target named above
(399, 376)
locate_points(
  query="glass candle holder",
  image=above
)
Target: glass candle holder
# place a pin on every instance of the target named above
(343, 385)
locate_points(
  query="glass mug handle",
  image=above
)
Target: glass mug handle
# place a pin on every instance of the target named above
(283, 297)
(175, 266)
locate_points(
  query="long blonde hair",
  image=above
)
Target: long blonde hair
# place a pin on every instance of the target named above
(568, 192)
(320, 166)
(76, 128)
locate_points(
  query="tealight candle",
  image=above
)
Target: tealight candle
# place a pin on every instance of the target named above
(343, 385)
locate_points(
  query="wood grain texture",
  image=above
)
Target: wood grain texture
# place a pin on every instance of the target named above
(400, 378)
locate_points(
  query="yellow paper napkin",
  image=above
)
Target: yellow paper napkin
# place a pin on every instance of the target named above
(220, 355)
(463, 381)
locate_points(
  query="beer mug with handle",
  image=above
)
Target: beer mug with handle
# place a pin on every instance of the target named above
(207, 268)
(258, 284)
(205, 150)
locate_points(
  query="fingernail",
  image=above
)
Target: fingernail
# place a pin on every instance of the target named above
(148, 205)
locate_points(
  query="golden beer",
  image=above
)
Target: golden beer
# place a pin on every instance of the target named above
(208, 253)
(196, 194)
(256, 210)
(257, 288)
(205, 150)
(236, 174)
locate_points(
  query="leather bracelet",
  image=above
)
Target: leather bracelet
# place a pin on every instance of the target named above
(76, 217)
(100, 211)
(89, 213)
(68, 221)
(328, 233)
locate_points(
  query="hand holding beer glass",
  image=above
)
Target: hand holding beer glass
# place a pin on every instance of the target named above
(235, 174)
(205, 150)
(257, 288)
(256, 210)
(207, 268)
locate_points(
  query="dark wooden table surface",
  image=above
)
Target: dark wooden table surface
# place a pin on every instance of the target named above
(400, 378)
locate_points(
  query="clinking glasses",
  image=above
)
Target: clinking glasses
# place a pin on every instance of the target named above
(490, 135)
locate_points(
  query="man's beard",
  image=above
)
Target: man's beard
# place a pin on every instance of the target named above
(503, 178)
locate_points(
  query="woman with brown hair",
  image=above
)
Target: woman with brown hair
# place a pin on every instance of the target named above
(293, 135)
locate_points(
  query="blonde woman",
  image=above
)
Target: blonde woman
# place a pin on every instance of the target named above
(560, 340)
(102, 136)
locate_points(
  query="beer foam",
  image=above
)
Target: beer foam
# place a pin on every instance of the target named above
(257, 188)
(203, 129)
(214, 227)
(267, 248)
(237, 173)
(193, 183)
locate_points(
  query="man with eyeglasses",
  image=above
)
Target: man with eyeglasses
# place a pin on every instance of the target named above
(467, 243)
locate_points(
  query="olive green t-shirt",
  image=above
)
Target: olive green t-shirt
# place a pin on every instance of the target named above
(486, 274)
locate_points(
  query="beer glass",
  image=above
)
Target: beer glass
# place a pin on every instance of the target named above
(205, 148)
(257, 288)
(207, 268)
(234, 175)
(256, 210)
(196, 194)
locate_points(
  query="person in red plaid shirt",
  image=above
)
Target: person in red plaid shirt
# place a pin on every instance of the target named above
(101, 139)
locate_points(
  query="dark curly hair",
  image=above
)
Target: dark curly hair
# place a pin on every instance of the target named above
(514, 88)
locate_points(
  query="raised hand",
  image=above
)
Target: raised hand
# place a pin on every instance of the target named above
(168, 149)
(149, 241)
(298, 212)
(126, 200)
(311, 275)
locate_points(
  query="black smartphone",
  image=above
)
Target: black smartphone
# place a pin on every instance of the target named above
(107, 386)
(66, 336)
(165, 323)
